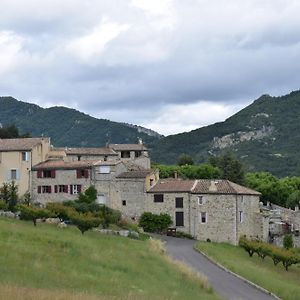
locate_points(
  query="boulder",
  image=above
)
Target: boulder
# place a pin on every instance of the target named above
(53, 221)
(62, 225)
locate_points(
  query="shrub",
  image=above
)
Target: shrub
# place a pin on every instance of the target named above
(3, 205)
(32, 213)
(59, 210)
(288, 241)
(84, 222)
(155, 223)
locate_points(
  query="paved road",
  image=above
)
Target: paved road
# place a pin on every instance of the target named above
(225, 284)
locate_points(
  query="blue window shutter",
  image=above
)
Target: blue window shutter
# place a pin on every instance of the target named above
(17, 175)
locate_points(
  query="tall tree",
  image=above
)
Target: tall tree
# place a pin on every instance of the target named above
(231, 168)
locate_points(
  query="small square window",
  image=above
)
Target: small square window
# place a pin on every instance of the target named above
(241, 217)
(179, 202)
(124, 202)
(158, 198)
(25, 156)
(13, 174)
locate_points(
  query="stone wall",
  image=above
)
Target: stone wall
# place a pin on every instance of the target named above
(62, 177)
(168, 206)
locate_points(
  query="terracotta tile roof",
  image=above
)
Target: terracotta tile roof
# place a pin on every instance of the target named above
(202, 186)
(135, 174)
(128, 147)
(172, 185)
(24, 144)
(87, 151)
(63, 165)
(205, 186)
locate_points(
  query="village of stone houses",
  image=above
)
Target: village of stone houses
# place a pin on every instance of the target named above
(214, 211)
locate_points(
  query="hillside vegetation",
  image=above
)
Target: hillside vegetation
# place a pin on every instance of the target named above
(68, 127)
(45, 262)
(265, 136)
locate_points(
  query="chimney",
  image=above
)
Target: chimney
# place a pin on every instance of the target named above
(140, 141)
(297, 208)
(212, 187)
(175, 174)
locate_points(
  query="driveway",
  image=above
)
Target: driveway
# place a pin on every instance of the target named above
(225, 284)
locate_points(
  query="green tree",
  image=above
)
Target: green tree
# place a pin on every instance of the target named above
(9, 194)
(84, 222)
(155, 223)
(89, 196)
(288, 241)
(185, 159)
(293, 199)
(32, 213)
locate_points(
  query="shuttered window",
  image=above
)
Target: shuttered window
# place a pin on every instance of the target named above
(179, 202)
(179, 218)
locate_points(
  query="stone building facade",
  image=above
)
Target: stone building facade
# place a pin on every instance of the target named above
(216, 210)
(17, 156)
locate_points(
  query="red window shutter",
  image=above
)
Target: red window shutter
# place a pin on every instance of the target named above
(79, 188)
(71, 189)
(66, 189)
(86, 173)
(55, 189)
(39, 189)
(52, 173)
(39, 174)
(78, 173)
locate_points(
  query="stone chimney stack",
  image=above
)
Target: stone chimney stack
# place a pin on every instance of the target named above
(297, 207)
(213, 187)
(140, 141)
(175, 174)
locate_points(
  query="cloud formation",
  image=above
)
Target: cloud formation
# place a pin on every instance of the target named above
(170, 65)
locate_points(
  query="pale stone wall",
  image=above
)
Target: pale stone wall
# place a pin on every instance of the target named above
(12, 160)
(62, 177)
(168, 207)
(223, 217)
(71, 157)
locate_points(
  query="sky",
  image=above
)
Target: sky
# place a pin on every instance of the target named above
(168, 65)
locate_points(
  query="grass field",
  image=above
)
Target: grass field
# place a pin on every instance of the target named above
(50, 263)
(284, 284)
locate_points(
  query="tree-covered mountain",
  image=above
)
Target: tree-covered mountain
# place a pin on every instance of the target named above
(68, 127)
(265, 136)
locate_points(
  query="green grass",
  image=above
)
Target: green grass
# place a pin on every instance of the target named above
(262, 272)
(63, 262)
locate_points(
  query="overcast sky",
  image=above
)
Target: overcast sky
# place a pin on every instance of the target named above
(169, 65)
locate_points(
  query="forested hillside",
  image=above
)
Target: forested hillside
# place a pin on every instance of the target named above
(265, 136)
(68, 127)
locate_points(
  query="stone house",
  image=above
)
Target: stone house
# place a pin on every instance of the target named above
(17, 156)
(57, 180)
(216, 210)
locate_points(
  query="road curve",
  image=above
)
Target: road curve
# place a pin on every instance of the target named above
(225, 284)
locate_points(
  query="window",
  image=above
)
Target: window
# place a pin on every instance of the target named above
(104, 169)
(179, 202)
(25, 156)
(124, 202)
(125, 154)
(201, 200)
(101, 199)
(137, 153)
(79, 157)
(82, 173)
(151, 181)
(105, 158)
(44, 189)
(203, 217)
(179, 218)
(60, 188)
(241, 216)
(47, 174)
(75, 188)
(13, 174)
(158, 198)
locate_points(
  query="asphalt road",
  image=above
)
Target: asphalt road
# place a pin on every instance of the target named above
(225, 284)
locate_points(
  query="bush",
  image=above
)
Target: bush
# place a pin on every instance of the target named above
(59, 210)
(288, 241)
(3, 205)
(84, 222)
(155, 223)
